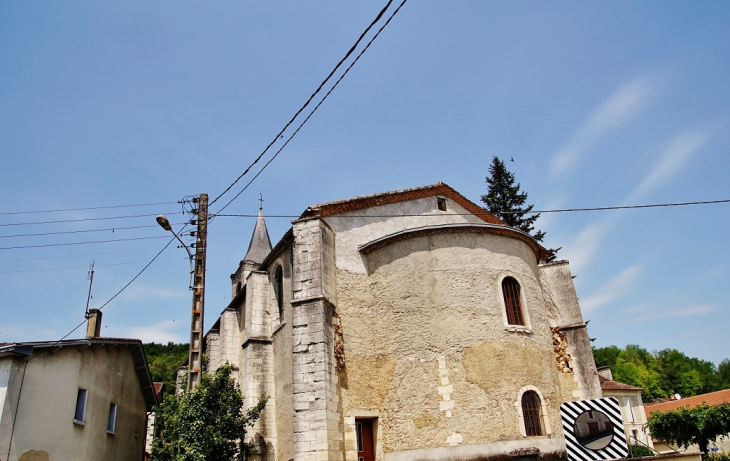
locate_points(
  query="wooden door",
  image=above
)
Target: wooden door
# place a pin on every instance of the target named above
(365, 440)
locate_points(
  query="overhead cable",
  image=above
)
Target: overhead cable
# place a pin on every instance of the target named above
(564, 210)
(86, 219)
(49, 269)
(311, 97)
(112, 229)
(76, 255)
(19, 247)
(313, 110)
(86, 209)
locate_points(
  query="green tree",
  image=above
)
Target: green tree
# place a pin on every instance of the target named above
(164, 361)
(723, 371)
(505, 201)
(606, 356)
(207, 424)
(689, 426)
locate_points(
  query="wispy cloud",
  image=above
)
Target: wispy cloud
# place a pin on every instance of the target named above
(678, 152)
(620, 107)
(616, 287)
(160, 332)
(656, 315)
(141, 292)
(580, 250)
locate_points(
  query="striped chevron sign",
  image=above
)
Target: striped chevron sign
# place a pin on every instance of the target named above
(594, 430)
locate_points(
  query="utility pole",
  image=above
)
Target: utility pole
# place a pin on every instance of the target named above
(196, 323)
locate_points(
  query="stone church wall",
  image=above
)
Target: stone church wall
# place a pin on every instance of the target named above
(426, 346)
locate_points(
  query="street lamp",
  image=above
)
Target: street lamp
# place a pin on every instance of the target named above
(165, 224)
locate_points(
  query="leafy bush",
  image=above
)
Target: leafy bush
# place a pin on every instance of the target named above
(639, 451)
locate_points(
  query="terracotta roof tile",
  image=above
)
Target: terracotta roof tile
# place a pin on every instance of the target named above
(711, 399)
(387, 198)
(608, 385)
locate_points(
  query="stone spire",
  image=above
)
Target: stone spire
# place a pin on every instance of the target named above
(260, 245)
(258, 250)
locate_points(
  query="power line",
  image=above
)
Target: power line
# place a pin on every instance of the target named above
(86, 219)
(20, 247)
(85, 209)
(564, 210)
(113, 229)
(76, 255)
(83, 267)
(357, 58)
(120, 291)
(311, 97)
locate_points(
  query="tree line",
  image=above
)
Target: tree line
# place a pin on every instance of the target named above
(164, 361)
(663, 373)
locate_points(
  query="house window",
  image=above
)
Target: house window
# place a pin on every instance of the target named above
(111, 424)
(441, 203)
(80, 406)
(511, 293)
(279, 292)
(531, 407)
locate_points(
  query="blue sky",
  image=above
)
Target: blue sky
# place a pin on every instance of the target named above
(599, 104)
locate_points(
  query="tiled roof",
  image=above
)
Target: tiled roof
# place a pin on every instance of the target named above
(711, 399)
(608, 385)
(387, 198)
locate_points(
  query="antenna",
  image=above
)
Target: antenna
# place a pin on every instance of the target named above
(91, 282)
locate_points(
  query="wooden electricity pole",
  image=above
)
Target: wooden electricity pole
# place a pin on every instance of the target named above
(196, 324)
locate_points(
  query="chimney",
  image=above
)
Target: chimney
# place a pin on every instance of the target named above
(605, 372)
(93, 328)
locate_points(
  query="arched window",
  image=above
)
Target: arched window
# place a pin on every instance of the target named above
(531, 407)
(279, 292)
(511, 293)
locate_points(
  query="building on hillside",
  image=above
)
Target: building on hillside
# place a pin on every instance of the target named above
(632, 407)
(404, 325)
(74, 399)
(711, 399)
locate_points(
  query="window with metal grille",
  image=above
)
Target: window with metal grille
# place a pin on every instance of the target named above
(531, 413)
(511, 293)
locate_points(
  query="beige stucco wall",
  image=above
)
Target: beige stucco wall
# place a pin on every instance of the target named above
(632, 413)
(48, 400)
(427, 347)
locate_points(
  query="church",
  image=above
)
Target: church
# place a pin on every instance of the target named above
(404, 325)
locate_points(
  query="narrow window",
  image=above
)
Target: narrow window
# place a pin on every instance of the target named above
(279, 292)
(441, 203)
(531, 413)
(111, 424)
(511, 293)
(80, 405)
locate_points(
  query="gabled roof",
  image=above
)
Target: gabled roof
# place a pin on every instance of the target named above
(609, 385)
(439, 189)
(711, 399)
(387, 198)
(134, 346)
(260, 245)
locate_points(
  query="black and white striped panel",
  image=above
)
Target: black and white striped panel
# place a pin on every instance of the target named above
(616, 449)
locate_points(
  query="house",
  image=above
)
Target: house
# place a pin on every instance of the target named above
(74, 399)
(711, 399)
(404, 325)
(632, 407)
